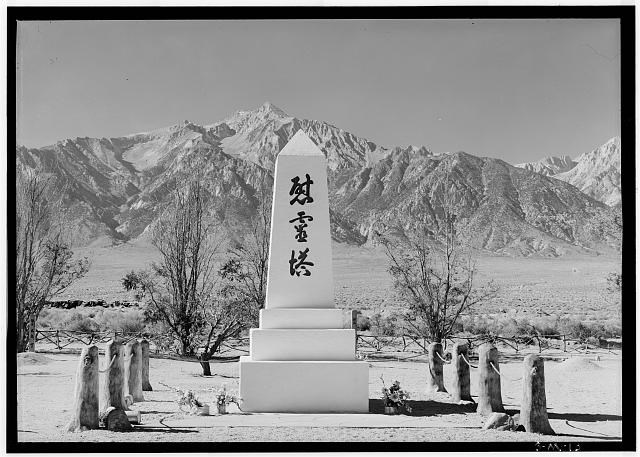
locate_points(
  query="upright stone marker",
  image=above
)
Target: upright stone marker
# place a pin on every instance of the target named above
(302, 359)
(461, 386)
(144, 346)
(86, 402)
(489, 390)
(435, 374)
(112, 382)
(533, 411)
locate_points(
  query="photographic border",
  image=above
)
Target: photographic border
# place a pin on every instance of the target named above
(626, 15)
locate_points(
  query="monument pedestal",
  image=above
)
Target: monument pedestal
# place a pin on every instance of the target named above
(301, 318)
(302, 359)
(304, 386)
(302, 344)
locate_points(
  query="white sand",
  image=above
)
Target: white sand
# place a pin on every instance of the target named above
(590, 401)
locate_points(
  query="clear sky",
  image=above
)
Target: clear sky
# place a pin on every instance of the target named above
(513, 89)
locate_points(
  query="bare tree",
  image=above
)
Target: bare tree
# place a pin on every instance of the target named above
(181, 285)
(44, 260)
(434, 272)
(198, 302)
(231, 315)
(244, 281)
(248, 261)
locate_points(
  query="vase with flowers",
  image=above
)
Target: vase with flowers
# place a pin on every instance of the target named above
(224, 398)
(188, 402)
(394, 398)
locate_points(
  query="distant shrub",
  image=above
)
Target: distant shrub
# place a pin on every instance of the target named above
(386, 325)
(122, 320)
(546, 326)
(457, 327)
(478, 325)
(93, 319)
(71, 319)
(77, 322)
(164, 340)
(613, 329)
(45, 318)
(363, 323)
(551, 326)
(510, 327)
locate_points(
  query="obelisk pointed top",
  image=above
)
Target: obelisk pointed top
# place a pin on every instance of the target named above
(300, 145)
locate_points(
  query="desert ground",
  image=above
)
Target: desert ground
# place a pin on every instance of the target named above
(572, 285)
(583, 394)
(583, 399)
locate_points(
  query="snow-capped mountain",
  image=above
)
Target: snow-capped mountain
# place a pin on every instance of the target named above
(260, 134)
(119, 186)
(596, 173)
(549, 166)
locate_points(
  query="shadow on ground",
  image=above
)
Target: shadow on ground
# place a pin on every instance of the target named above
(425, 407)
(214, 375)
(582, 417)
(575, 417)
(156, 429)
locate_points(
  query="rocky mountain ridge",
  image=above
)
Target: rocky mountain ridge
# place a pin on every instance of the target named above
(596, 173)
(549, 166)
(117, 187)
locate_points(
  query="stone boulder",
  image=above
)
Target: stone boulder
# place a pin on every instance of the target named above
(115, 420)
(499, 421)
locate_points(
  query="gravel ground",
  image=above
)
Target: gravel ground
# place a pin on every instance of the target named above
(583, 398)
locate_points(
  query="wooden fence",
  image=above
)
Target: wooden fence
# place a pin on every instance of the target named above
(61, 339)
(366, 345)
(383, 344)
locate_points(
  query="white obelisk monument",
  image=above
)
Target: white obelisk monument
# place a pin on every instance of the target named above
(302, 359)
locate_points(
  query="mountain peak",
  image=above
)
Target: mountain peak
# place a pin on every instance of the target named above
(550, 165)
(300, 145)
(271, 108)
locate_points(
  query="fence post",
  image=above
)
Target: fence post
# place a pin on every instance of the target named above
(354, 325)
(489, 393)
(58, 340)
(32, 334)
(435, 381)
(133, 369)
(533, 412)
(460, 389)
(85, 404)
(144, 346)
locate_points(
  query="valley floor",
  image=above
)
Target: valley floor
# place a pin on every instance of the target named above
(583, 398)
(565, 286)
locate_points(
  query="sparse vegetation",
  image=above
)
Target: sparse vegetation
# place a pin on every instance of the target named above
(180, 289)
(433, 271)
(389, 325)
(545, 326)
(244, 282)
(363, 323)
(44, 260)
(94, 319)
(187, 293)
(247, 264)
